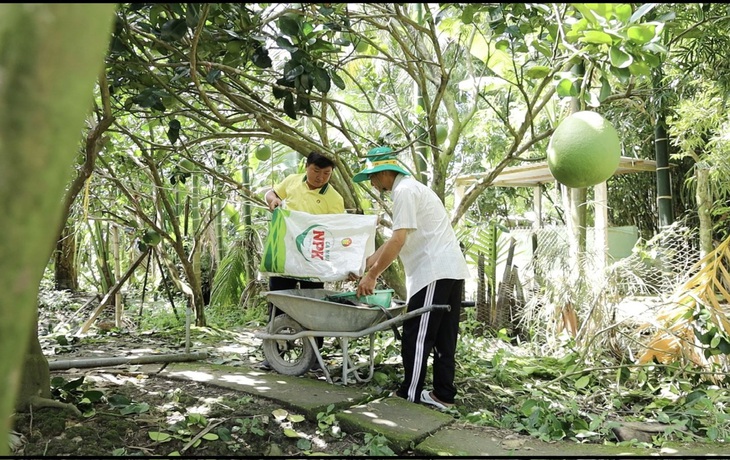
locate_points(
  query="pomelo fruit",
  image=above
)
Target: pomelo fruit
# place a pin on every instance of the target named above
(151, 237)
(263, 152)
(186, 166)
(441, 133)
(584, 150)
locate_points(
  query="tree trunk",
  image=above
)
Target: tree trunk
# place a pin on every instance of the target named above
(661, 151)
(704, 205)
(66, 277)
(36, 380)
(50, 56)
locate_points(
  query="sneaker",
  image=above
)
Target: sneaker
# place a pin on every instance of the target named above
(264, 365)
(428, 398)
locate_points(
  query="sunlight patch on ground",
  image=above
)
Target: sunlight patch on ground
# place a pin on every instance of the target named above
(248, 380)
(234, 349)
(374, 418)
(194, 375)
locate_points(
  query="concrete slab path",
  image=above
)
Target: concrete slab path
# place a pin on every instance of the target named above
(427, 431)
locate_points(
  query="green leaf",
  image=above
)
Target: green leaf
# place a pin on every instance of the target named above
(528, 407)
(715, 341)
(642, 10)
(538, 71)
(724, 346)
(641, 34)
(337, 80)
(135, 408)
(118, 401)
(289, 24)
(174, 30)
(213, 76)
(159, 437)
(210, 437)
(289, 433)
(619, 58)
(224, 434)
(596, 37)
(304, 444)
(565, 88)
(289, 106)
(73, 384)
(640, 69)
(605, 89)
(93, 395)
(582, 382)
(654, 47)
(261, 59)
(321, 80)
(541, 48)
(296, 418)
(286, 44)
(294, 72)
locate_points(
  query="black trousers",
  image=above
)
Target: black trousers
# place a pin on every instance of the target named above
(435, 331)
(280, 283)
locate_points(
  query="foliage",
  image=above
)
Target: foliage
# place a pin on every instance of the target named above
(560, 395)
(73, 393)
(563, 397)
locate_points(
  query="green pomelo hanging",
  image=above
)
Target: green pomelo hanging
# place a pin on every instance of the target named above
(442, 132)
(263, 152)
(584, 150)
(151, 237)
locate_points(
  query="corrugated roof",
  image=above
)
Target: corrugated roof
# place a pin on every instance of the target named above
(530, 175)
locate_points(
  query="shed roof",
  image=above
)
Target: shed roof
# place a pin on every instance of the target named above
(530, 175)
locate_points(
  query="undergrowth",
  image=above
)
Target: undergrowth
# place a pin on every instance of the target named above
(561, 396)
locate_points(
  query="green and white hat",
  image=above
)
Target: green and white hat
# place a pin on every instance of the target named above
(379, 159)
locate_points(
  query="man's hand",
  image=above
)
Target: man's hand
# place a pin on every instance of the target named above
(272, 199)
(366, 286)
(275, 203)
(352, 277)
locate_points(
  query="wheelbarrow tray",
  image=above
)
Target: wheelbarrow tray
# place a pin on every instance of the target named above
(308, 308)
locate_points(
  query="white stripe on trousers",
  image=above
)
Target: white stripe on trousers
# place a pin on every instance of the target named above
(419, 362)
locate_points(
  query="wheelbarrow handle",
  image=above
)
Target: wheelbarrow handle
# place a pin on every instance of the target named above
(464, 304)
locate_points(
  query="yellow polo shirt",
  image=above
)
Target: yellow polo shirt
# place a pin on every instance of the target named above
(295, 192)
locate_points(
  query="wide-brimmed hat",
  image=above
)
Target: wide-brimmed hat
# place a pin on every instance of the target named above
(379, 159)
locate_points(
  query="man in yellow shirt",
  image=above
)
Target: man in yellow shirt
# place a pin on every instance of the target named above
(306, 192)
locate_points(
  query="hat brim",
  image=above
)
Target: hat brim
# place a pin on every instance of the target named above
(367, 172)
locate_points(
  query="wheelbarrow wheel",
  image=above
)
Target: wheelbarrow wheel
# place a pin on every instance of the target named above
(288, 357)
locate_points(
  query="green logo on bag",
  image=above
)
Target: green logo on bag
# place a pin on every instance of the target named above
(274, 257)
(315, 243)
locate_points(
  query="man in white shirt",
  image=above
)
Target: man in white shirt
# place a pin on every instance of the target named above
(435, 271)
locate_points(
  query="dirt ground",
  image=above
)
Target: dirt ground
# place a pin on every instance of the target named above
(153, 416)
(131, 413)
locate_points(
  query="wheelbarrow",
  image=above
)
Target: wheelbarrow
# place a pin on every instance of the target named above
(289, 339)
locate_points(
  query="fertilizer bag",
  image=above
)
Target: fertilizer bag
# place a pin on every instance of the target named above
(318, 247)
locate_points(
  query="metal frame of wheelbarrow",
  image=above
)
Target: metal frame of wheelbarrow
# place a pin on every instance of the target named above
(348, 365)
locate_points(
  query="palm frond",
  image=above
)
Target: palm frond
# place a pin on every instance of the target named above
(696, 327)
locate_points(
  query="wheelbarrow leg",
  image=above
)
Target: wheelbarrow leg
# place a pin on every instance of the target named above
(322, 365)
(349, 367)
